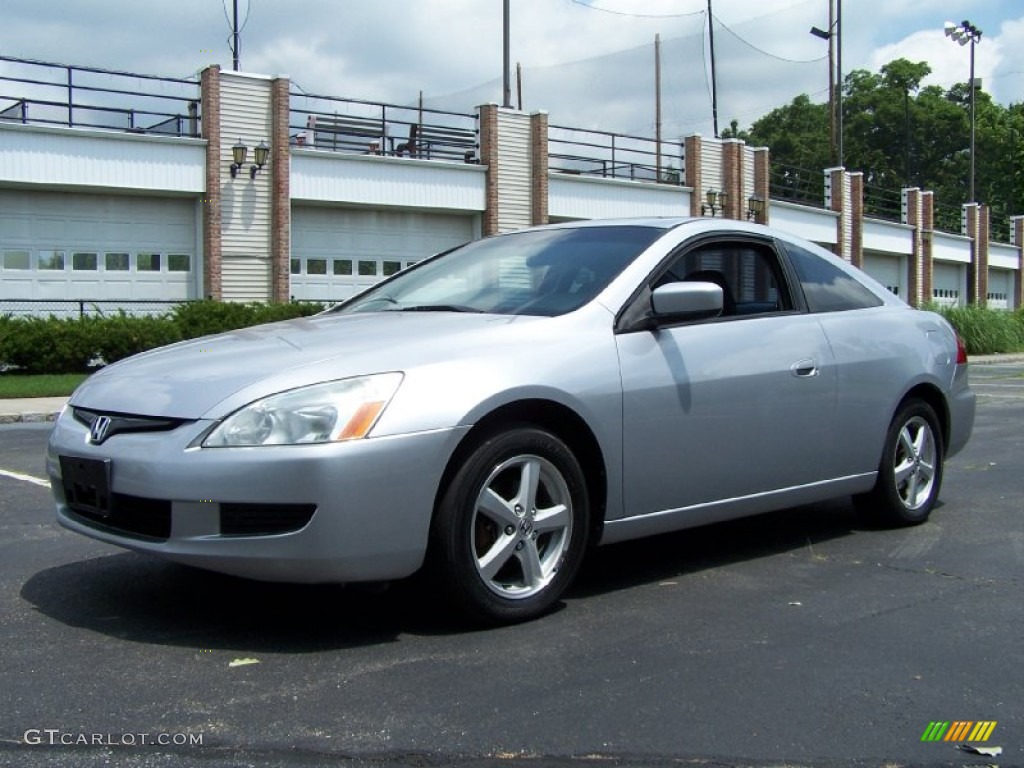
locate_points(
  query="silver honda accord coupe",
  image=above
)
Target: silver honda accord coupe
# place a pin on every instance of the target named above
(492, 412)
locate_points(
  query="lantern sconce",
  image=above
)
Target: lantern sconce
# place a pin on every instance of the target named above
(715, 202)
(755, 207)
(238, 154)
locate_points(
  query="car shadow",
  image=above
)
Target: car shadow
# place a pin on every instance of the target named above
(645, 561)
(143, 599)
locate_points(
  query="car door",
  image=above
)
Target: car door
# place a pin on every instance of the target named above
(731, 407)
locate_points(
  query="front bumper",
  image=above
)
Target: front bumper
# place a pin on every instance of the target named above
(368, 502)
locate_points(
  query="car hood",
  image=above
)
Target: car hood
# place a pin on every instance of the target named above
(212, 376)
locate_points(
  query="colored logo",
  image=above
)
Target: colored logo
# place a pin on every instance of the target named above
(959, 730)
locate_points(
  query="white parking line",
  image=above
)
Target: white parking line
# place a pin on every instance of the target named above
(25, 478)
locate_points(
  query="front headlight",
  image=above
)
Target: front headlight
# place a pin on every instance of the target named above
(338, 410)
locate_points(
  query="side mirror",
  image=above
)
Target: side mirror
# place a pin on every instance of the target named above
(674, 302)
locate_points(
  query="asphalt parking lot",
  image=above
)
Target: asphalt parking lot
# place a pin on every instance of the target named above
(800, 638)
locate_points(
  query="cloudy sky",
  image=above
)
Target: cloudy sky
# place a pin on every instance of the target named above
(589, 63)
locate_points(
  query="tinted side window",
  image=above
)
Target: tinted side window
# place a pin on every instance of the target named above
(745, 271)
(826, 287)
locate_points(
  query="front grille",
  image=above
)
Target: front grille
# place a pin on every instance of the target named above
(263, 519)
(117, 423)
(130, 515)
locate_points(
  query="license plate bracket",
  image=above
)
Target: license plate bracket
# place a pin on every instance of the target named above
(87, 484)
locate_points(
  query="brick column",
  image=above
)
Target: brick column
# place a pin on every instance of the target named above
(692, 175)
(912, 216)
(976, 221)
(732, 179)
(280, 190)
(762, 179)
(210, 95)
(539, 168)
(1017, 224)
(984, 238)
(489, 157)
(856, 222)
(835, 200)
(928, 233)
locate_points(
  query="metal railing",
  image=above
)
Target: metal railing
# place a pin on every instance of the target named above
(882, 203)
(586, 152)
(44, 93)
(796, 185)
(999, 225)
(378, 128)
(947, 218)
(64, 308)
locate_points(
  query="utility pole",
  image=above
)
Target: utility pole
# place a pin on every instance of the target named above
(507, 101)
(835, 129)
(714, 79)
(839, 78)
(234, 37)
(657, 105)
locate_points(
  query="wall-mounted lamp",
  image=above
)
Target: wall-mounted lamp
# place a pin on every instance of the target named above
(755, 207)
(715, 202)
(238, 154)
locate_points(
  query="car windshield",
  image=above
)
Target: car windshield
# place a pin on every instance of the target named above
(537, 272)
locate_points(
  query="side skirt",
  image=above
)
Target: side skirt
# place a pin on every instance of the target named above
(667, 520)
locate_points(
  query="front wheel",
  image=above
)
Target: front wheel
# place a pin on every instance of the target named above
(910, 472)
(511, 528)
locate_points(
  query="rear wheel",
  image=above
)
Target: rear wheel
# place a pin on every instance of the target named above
(910, 473)
(511, 528)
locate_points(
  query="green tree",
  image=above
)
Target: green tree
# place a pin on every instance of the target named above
(901, 134)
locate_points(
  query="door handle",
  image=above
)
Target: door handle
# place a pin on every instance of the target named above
(804, 369)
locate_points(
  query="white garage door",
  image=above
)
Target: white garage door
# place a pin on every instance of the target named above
(888, 270)
(949, 284)
(72, 245)
(1000, 288)
(338, 251)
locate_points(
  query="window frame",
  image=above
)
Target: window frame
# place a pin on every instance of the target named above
(633, 317)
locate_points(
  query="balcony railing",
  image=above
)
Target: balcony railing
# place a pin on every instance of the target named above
(796, 185)
(614, 155)
(882, 203)
(376, 128)
(44, 93)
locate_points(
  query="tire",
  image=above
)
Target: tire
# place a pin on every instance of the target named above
(511, 528)
(910, 472)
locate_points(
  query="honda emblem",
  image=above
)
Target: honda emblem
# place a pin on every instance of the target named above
(98, 430)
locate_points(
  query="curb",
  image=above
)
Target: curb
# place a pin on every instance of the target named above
(27, 418)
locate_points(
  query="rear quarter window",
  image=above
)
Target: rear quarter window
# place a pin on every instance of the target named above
(826, 287)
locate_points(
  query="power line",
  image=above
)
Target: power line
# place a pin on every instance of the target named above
(590, 7)
(767, 53)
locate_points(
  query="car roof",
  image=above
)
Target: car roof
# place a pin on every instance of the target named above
(657, 222)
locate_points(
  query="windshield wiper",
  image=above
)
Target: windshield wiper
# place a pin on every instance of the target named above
(437, 308)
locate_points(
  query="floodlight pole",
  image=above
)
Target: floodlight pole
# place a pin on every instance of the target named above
(962, 34)
(973, 122)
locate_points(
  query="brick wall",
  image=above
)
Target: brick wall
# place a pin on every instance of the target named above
(928, 228)
(280, 190)
(692, 177)
(912, 216)
(855, 223)
(489, 158)
(539, 168)
(210, 94)
(761, 181)
(1018, 278)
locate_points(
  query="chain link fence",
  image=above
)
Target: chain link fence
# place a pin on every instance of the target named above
(68, 308)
